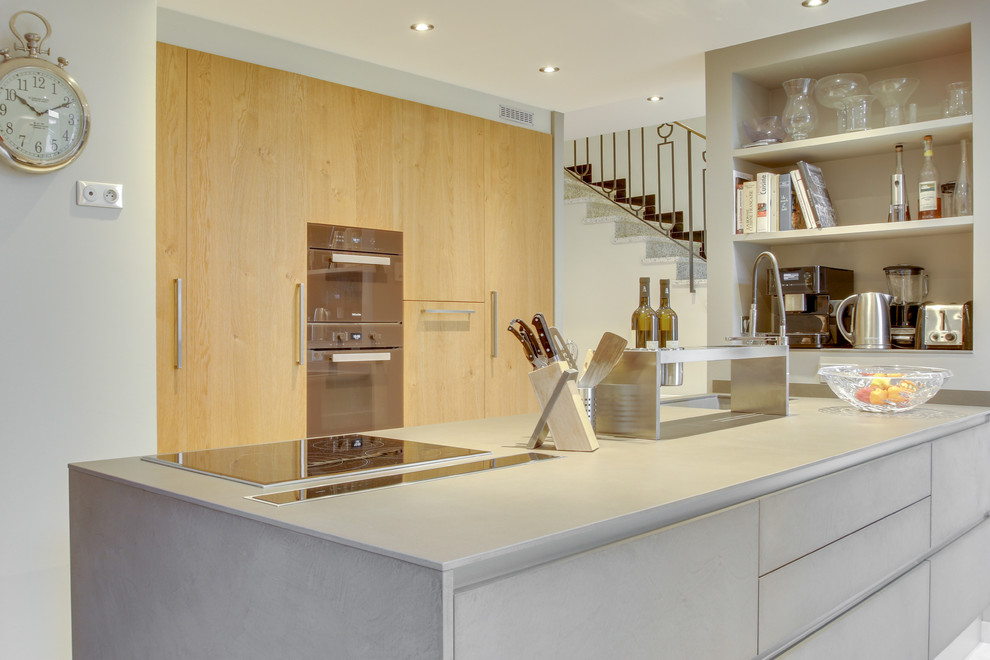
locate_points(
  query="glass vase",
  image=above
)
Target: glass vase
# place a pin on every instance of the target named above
(799, 116)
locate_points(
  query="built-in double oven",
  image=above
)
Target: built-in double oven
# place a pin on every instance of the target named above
(354, 330)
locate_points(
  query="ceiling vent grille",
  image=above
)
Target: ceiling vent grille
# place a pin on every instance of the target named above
(515, 114)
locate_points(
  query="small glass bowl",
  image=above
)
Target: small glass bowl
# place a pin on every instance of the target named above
(884, 389)
(764, 130)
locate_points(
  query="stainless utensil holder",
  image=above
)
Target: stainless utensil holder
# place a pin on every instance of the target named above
(627, 402)
(588, 399)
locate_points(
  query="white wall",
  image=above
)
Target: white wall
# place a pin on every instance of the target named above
(77, 312)
(598, 288)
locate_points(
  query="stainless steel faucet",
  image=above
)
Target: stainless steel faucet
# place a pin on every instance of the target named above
(782, 331)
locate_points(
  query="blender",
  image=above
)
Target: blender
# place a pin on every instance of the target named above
(908, 287)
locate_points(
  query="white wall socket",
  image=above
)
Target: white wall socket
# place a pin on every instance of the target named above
(107, 195)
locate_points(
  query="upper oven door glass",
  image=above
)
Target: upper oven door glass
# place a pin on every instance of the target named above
(354, 287)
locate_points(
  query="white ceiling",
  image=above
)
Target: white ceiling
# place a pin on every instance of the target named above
(612, 53)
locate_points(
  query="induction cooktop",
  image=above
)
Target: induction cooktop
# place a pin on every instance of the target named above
(296, 461)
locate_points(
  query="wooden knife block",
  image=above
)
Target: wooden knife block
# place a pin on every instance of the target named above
(569, 424)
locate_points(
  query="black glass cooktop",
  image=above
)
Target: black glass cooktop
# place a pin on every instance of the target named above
(282, 463)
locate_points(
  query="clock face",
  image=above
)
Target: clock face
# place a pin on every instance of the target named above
(43, 117)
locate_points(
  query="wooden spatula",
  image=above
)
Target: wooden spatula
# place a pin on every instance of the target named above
(606, 356)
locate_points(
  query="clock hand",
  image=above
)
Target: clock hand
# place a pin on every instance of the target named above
(25, 102)
(59, 106)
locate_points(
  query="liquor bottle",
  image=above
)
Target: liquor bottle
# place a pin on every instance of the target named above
(962, 203)
(645, 323)
(900, 209)
(667, 317)
(929, 201)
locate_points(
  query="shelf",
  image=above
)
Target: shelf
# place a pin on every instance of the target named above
(867, 232)
(863, 143)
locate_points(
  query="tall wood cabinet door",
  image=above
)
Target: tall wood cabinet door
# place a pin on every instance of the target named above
(444, 362)
(439, 179)
(170, 227)
(518, 256)
(246, 254)
(347, 168)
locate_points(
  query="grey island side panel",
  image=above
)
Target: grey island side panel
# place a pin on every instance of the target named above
(158, 578)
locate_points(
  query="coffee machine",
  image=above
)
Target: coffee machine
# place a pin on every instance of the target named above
(811, 294)
(908, 288)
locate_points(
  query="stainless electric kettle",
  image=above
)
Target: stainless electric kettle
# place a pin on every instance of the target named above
(870, 320)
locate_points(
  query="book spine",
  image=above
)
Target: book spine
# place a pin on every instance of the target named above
(749, 207)
(762, 202)
(803, 200)
(785, 210)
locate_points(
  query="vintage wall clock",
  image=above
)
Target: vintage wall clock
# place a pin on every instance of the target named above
(44, 117)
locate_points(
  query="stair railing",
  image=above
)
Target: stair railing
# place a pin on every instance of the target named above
(648, 203)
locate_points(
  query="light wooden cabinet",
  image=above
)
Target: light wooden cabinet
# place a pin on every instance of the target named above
(439, 183)
(247, 156)
(443, 361)
(518, 256)
(241, 379)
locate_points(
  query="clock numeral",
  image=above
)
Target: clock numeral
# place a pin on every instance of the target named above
(72, 120)
(23, 138)
(9, 127)
(65, 136)
(11, 95)
(22, 85)
(39, 146)
(3, 109)
(39, 82)
(54, 146)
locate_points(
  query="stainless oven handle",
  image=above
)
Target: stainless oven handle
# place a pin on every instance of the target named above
(494, 324)
(178, 323)
(302, 324)
(360, 356)
(338, 258)
(448, 311)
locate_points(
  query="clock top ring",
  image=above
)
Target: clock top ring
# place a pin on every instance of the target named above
(44, 116)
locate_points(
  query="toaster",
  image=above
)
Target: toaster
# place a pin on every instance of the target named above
(946, 326)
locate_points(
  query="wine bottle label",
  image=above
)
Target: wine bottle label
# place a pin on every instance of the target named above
(671, 343)
(927, 196)
(652, 345)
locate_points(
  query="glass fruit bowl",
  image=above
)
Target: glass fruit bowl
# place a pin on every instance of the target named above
(884, 389)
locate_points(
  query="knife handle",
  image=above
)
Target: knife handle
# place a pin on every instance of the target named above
(525, 344)
(540, 324)
(534, 342)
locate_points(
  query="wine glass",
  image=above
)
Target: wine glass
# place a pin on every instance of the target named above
(832, 91)
(893, 94)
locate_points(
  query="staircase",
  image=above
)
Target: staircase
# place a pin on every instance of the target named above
(663, 236)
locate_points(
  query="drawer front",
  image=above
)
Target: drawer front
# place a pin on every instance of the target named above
(960, 586)
(891, 624)
(685, 591)
(797, 595)
(960, 481)
(802, 519)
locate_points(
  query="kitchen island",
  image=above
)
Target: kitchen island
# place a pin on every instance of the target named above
(740, 536)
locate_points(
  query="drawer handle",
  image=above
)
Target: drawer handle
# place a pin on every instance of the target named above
(448, 311)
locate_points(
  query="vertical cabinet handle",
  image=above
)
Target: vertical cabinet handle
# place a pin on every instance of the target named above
(178, 323)
(494, 324)
(302, 324)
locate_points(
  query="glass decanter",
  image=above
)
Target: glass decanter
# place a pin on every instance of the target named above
(799, 116)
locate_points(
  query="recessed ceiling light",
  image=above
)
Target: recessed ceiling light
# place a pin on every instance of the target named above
(654, 99)
(814, 3)
(549, 69)
(421, 27)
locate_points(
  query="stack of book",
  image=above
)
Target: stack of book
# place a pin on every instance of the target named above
(780, 202)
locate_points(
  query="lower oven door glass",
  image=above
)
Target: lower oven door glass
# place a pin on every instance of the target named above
(353, 391)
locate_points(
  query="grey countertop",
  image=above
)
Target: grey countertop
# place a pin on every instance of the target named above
(487, 523)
